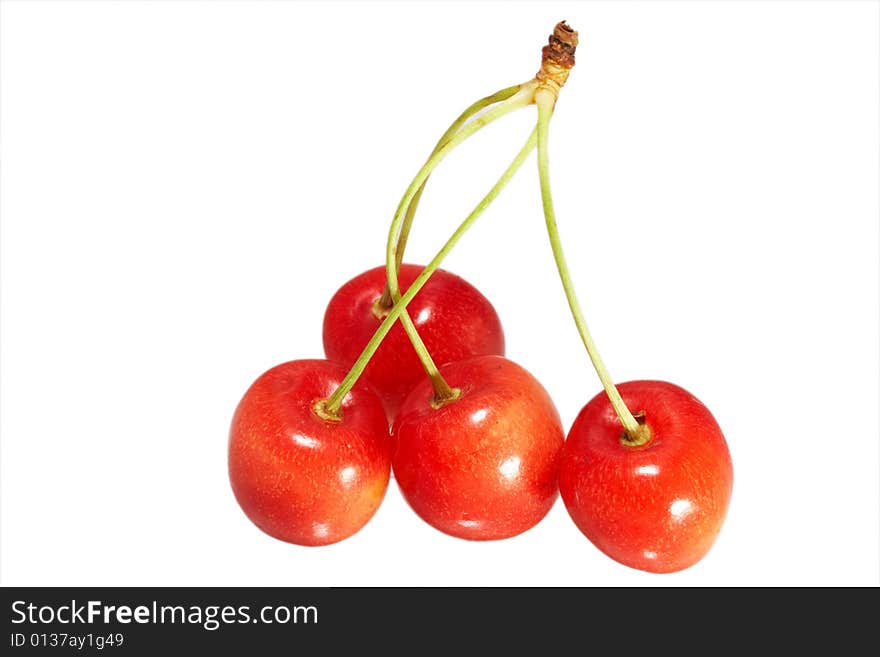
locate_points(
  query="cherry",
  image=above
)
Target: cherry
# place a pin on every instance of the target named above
(650, 489)
(656, 506)
(483, 466)
(299, 473)
(454, 320)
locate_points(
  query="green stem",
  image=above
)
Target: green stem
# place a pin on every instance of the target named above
(522, 97)
(330, 408)
(442, 391)
(545, 100)
(478, 106)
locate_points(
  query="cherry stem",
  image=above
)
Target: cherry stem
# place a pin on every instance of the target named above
(545, 99)
(385, 301)
(333, 404)
(524, 95)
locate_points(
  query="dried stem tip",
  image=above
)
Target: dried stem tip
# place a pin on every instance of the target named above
(561, 46)
(557, 57)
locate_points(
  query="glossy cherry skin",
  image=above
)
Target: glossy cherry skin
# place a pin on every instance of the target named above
(300, 478)
(454, 320)
(484, 466)
(657, 507)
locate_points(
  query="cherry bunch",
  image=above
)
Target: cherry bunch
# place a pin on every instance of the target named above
(475, 443)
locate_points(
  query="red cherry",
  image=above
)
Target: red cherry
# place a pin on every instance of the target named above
(483, 466)
(301, 478)
(657, 507)
(454, 320)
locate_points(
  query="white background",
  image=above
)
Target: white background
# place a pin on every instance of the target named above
(184, 185)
